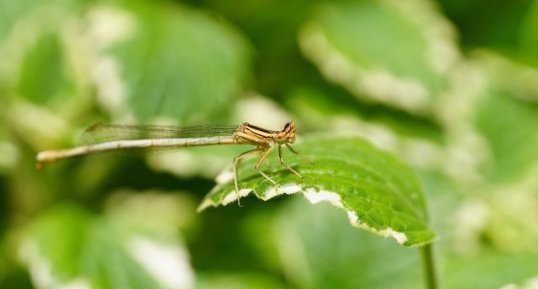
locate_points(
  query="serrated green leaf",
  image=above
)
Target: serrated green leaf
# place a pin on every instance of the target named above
(180, 63)
(68, 246)
(379, 193)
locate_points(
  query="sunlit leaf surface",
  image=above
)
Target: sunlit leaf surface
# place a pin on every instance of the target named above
(377, 191)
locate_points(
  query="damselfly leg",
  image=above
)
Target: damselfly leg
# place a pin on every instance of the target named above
(285, 164)
(235, 168)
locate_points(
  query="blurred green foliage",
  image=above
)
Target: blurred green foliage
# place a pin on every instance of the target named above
(449, 87)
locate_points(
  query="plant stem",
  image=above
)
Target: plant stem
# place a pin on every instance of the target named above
(428, 263)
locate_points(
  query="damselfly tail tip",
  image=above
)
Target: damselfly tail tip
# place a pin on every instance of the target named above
(42, 157)
(45, 157)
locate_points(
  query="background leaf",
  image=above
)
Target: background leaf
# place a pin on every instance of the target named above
(354, 45)
(319, 249)
(110, 251)
(514, 148)
(43, 75)
(458, 270)
(180, 63)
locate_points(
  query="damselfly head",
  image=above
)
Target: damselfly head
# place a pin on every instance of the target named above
(287, 135)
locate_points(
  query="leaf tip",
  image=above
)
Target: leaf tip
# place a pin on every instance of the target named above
(400, 237)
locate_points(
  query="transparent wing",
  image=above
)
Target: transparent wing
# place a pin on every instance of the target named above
(99, 133)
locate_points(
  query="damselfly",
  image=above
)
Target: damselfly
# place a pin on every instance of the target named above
(102, 138)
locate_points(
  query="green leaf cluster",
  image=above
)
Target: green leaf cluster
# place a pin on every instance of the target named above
(420, 119)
